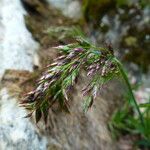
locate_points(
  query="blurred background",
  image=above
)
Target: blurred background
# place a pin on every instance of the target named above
(28, 31)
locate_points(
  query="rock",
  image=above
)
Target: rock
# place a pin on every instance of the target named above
(35, 6)
(77, 130)
(16, 42)
(82, 131)
(17, 51)
(142, 94)
(93, 10)
(69, 8)
(16, 132)
(13, 80)
(38, 23)
(73, 10)
(63, 131)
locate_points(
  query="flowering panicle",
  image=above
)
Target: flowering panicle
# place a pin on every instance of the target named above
(61, 75)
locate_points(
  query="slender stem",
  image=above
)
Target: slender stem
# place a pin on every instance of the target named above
(124, 75)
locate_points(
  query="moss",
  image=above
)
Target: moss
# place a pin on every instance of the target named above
(131, 41)
(104, 28)
(138, 47)
(94, 9)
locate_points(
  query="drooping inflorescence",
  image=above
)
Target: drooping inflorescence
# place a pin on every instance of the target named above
(62, 75)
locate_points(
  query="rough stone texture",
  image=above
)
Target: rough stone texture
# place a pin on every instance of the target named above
(16, 132)
(75, 131)
(17, 47)
(78, 130)
(17, 82)
(82, 131)
(70, 8)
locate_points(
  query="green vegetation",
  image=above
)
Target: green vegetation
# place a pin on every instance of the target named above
(125, 122)
(62, 32)
(94, 9)
(101, 66)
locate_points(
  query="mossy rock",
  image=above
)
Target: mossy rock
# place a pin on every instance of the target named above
(137, 44)
(94, 9)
